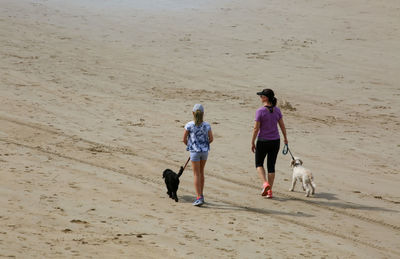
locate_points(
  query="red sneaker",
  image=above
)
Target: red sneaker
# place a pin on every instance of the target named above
(269, 194)
(266, 188)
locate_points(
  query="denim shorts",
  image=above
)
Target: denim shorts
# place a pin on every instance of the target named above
(197, 156)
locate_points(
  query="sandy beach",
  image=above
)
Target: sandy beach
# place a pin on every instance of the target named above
(94, 95)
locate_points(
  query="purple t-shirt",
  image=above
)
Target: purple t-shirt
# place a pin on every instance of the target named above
(268, 123)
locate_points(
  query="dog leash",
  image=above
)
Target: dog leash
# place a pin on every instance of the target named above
(186, 164)
(286, 150)
(183, 168)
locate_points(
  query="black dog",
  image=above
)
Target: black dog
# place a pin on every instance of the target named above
(172, 182)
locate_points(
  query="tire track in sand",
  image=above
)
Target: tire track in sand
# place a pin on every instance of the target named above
(128, 151)
(228, 202)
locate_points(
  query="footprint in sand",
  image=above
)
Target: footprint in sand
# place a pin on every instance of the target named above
(78, 221)
(73, 185)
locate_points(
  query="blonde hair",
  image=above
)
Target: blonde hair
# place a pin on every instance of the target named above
(198, 117)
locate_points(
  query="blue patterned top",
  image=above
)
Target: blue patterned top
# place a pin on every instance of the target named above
(198, 137)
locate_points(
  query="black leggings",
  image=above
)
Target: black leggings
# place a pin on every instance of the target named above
(270, 148)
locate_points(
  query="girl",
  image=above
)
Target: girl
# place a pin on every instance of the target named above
(268, 139)
(197, 137)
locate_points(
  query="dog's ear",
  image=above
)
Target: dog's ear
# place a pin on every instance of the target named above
(301, 162)
(164, 173)
(292, 163)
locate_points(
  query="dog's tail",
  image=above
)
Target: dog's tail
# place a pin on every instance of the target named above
(180, 172)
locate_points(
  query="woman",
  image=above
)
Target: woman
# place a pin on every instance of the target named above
(268, 139)
(197, 137)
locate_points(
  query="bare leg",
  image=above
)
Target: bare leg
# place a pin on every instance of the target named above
(197, 178)
(202, 165)
(271, 178)
(261, 173)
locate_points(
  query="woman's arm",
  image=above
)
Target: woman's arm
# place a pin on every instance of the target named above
(185, 137)
(210, 136)
(255, 133)
(283, 129)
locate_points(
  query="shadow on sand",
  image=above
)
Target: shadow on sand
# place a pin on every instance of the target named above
(224, 205)
(325, 199)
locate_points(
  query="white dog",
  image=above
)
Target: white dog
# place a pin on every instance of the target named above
(303, 175)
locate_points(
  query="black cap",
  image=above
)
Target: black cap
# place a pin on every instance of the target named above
(266, 92)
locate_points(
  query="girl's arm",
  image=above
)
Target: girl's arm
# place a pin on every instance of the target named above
(283, 129)
(255, 133)
(210, 136)
(185, 137)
